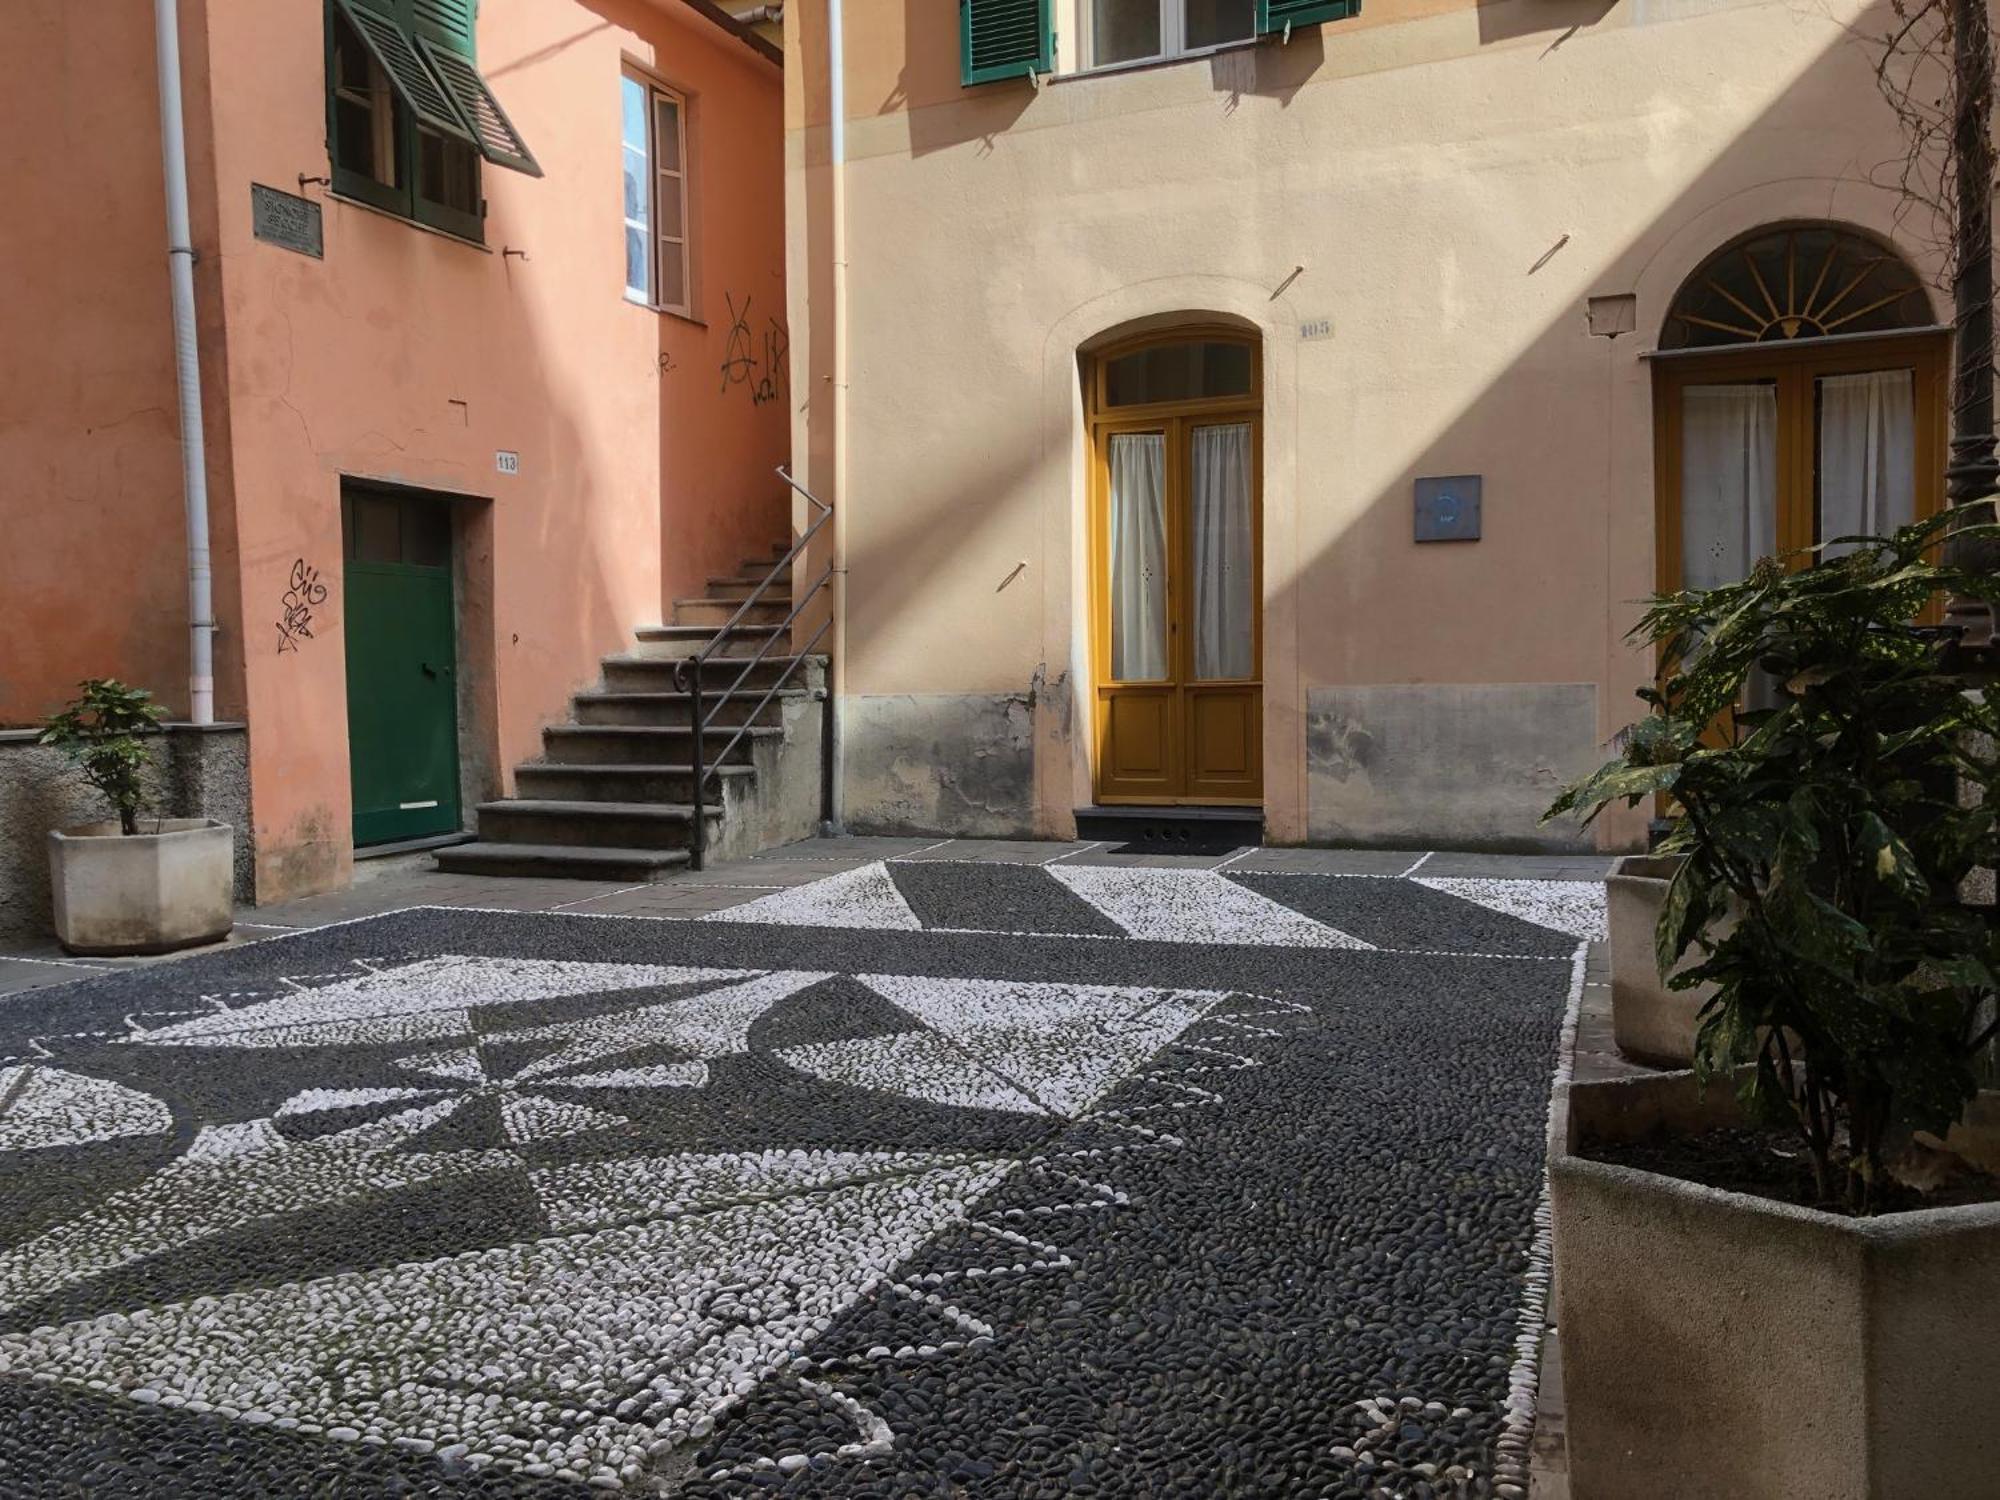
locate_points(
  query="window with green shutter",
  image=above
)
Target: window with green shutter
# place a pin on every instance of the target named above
(409, 117)
(1005, 39)
(1280, 15)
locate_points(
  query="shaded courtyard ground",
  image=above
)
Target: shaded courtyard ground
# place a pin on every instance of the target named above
(865, 1167)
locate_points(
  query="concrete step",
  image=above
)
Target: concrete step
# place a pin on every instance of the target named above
(622, 783)
(770, 610)
(676, 707)
(650, 744)
(674, 641)
(655, 674)
(562, 861)
(758, 567)
(598, 825)
(743, 587)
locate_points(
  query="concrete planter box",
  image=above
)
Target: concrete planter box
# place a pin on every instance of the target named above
(1720, 1344)
(148, 893)
(1649, 1022)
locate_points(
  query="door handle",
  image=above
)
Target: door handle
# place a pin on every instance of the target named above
(429, 670)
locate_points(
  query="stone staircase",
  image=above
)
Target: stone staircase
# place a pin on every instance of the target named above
(612, 796)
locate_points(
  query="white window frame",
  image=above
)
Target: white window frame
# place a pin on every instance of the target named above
(652, 226)
(1173, 38)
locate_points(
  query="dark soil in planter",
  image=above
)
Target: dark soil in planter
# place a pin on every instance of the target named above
(1772, 1164)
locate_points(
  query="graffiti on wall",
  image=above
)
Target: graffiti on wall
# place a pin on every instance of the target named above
(303, 594)
(744, 362)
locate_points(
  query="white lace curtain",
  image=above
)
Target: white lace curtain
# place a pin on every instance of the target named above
(1729, 481)
(1867, 454)
(1225, 571)
(1138, 556)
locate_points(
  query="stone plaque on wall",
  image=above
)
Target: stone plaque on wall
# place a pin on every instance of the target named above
(281, 218)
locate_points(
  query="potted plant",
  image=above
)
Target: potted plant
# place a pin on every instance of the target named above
(1651, 1021)
(133, 885)
(1793, 1287)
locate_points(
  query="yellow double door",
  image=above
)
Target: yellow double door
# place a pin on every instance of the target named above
(1178, 603)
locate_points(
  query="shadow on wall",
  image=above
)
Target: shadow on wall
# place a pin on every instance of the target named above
(1387, 702)
(1510, 20)
(932, 51)
(1385, 761)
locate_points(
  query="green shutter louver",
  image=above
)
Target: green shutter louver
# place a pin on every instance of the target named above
(1276, 15)
(449, 23)
(1005, 39)
(376, 23)
(492, 132)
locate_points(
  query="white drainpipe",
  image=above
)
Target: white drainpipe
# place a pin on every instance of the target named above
(187, 366)
(836, 57)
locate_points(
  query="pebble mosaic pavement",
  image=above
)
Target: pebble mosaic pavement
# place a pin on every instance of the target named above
(925, 1178)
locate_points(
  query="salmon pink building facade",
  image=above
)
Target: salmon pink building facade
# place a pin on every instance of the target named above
(491, 322)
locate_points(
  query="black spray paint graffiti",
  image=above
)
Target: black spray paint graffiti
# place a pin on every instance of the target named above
(305, 594)
(741, 363)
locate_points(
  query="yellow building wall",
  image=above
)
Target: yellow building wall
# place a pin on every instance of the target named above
(1448, 186)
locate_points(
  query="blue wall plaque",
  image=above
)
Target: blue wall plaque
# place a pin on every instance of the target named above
(1448, 509)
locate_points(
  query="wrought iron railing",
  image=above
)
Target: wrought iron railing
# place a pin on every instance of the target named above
(689, 673)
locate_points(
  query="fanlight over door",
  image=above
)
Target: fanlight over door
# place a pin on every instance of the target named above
(1799, 396)
(1176, 581)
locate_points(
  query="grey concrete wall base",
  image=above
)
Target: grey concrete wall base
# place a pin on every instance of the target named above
(196, 771)
(151, 892)
(1650, 1023)
(781, 803)
(958, 764)
(1719, 1344)
(1455, 765)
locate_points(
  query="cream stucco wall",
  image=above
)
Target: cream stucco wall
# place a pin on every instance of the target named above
(1453, 183)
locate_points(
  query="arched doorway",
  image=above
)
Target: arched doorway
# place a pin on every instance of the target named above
(1799, 396)
(1176, 577)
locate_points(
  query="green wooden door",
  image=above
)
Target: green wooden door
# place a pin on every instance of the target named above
(402, 690)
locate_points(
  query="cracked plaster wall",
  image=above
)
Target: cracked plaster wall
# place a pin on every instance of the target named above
(1460, 765)
(945, 763)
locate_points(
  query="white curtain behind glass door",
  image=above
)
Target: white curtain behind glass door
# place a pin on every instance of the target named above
(1729, 481)
(1138, 527)
(1225, 569)
(1867, 454)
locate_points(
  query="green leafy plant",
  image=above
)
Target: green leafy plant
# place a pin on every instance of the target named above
(1826, 840)
(99, 731)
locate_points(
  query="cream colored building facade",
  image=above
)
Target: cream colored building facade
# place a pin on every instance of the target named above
(1452, 237)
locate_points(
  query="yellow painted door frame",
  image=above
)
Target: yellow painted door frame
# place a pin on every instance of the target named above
(1792, 368)
(1177, 740)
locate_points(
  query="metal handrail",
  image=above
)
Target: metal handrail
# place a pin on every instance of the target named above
(688, 675)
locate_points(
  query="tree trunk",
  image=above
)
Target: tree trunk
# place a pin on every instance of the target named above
(1974, 474)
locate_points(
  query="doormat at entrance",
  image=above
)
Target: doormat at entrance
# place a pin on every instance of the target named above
(1182, 1184)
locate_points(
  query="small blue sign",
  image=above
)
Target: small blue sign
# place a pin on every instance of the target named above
(1448, 509)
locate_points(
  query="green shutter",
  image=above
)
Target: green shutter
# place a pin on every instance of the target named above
(1276, 15)
(498, 141)
(383, 32)
(449, 23)
(1005, 39)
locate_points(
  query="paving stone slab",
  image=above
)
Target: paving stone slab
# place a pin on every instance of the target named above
(926, 1177)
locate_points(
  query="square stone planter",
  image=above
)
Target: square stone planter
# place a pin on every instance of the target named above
(1719, 1344)
(1650, 1023)
(150, 892)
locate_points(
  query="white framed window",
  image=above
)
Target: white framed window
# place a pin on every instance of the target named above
(1117, 33)
(653, 143)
